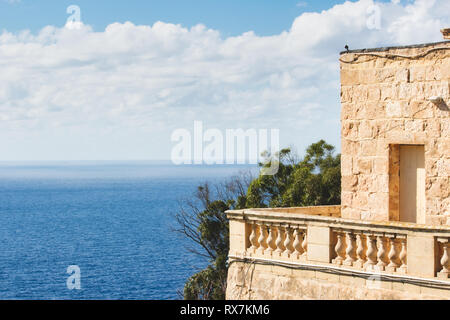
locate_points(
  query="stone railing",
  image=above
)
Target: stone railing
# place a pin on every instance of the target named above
(371, 250)
(318, 236)
(277, 240)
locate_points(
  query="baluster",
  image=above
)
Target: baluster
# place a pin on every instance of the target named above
(297, 245)
(393, 255)
(382, 253)
(445, 260)
(304, 255)
(252, 239)
(262, 237)
(360, 251)
(279, 242)
(350, 251)
(371, 253)
(339, 249)
(287, 243)
(402, 256)
(270, 245)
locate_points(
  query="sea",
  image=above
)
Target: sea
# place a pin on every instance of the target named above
(98, 230)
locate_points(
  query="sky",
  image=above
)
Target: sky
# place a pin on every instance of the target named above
(116, 85)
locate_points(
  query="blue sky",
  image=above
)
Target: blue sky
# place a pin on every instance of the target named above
(232, 17)
(118, 85)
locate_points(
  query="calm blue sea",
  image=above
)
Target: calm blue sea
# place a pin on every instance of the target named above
(111, 219)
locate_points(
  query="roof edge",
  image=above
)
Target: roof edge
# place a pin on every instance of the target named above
(380, 49)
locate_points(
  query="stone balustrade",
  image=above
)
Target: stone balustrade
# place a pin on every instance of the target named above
(371, 251)
(318, 236)
(444, 254)
(277, 240)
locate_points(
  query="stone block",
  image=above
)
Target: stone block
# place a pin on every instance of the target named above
(421, 253)
(443, 167)
(373, 93)
(318, 235)
(329, 277)
(435, 292)
(319, 244)
(364, 165)
(437, 187)
(346, 198)
(394, 109)
(368, 147)
(238, 236)
(381, 165)
(346, 94)
(417, 73)
(402, 75)
(361, 200)
(346, 165)
(432, 127)
(319, 253)
(349, 77)
(365, 130)
(433, 72)
(349, 183)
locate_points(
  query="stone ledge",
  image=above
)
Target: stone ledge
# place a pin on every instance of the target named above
(333, 211)
(281, 216)
(382, 49)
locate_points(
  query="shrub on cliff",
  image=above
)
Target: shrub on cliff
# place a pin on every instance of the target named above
(202, 219)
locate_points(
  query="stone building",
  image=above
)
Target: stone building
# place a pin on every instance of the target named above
(389, 239)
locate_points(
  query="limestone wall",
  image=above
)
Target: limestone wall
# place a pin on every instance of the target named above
(252, 281)
(384, 104)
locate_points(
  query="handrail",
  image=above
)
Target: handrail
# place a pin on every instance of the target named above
(279, 215)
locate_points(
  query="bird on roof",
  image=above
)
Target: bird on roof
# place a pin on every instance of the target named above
(346, 47)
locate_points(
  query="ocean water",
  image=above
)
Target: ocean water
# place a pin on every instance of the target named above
(113, 220)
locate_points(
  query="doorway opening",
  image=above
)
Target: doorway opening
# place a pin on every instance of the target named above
(407, 183)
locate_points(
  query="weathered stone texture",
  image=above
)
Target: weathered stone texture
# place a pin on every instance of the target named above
(446, 33)
(255, 282)
(384, 104)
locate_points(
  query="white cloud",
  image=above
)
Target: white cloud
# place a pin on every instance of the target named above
(79, 94)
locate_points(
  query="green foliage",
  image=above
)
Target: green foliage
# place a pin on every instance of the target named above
(208, 284)
(313, 180)
(204, 221)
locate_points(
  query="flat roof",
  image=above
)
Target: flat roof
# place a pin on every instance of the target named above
(394, 47)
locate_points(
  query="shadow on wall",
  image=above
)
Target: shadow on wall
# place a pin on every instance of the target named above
(440, 103)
